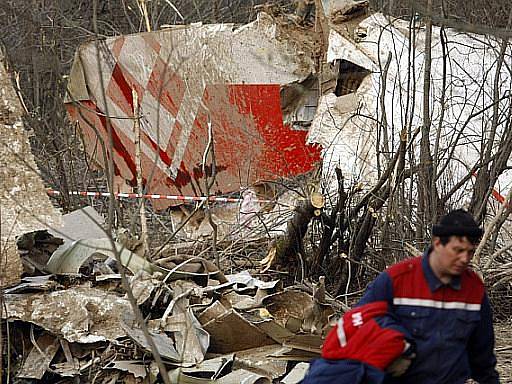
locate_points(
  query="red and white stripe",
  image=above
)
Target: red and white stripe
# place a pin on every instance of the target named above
(438, 304)
(52, 192)
(340, 331)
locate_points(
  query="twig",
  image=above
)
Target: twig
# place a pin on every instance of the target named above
(124, 280)
(8, 352)
(144, 11)
(176, 268)
(501, 251)
(412, 249)
(138, 167)
(175, 9)
(384, 124)
(347, 286)
(168, 310)
(210, 150)
(33, 340)
(169, 239)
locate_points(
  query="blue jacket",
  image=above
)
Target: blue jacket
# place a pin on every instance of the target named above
(324, 371)
(451, 324)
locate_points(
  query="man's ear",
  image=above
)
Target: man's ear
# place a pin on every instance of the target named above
(436, 242)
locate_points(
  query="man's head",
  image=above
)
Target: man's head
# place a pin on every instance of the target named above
(453, 243)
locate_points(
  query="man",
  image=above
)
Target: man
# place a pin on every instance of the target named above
(443, 305)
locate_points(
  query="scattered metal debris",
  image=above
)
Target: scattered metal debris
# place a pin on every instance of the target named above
(79, 314)
(296, 374)
(207, 327)
(39, 358)
(84, 223)
(164, 344)
(69, 258)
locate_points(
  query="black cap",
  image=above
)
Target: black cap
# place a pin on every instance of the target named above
(457, 223)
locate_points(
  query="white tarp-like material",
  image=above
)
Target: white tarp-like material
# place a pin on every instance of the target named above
(348, 127)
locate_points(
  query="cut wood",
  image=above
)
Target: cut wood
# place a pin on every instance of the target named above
(289, 245)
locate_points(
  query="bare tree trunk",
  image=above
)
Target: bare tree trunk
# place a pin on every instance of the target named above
(428, 197)
(442, 103)
(384, 120)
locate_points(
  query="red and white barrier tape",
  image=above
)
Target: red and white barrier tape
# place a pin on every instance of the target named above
(52, 192)
(497, 196)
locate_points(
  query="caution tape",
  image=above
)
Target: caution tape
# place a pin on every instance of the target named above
(219, 199)
(497, 196)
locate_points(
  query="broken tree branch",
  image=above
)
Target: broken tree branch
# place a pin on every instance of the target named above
(291, 243)
(382, 180)
(330, 225)
(489, 229)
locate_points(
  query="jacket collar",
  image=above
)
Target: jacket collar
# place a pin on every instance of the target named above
(433, 282)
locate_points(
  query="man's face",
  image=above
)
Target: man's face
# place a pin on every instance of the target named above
(455, 256)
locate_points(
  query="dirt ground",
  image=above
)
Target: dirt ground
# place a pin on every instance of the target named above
(504, 350)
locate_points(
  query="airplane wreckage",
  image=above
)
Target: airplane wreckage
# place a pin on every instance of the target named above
(238, 105)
